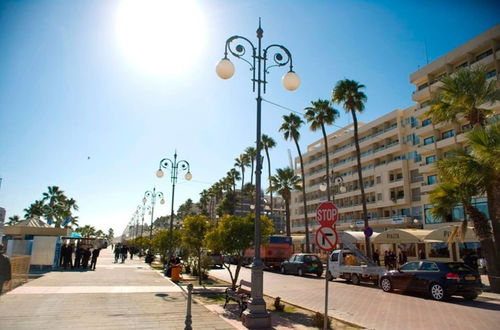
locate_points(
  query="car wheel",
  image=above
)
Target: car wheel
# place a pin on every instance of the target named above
(283, 270)
(471, 296)
(300, 272)
(437, 292)
(386, 284)
(355, 279)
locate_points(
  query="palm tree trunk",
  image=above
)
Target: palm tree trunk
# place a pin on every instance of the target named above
(306, 220)
(327, 161)
(287, 210)
(269, 177)
(489, 248)
(251, 174)
(242, 184)
(493, 195)
(361, 185)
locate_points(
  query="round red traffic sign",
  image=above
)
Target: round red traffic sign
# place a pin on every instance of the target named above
(326, 238)
(327, 214)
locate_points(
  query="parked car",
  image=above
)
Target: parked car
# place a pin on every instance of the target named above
(216, 260)
(440, 279)
(302, 263)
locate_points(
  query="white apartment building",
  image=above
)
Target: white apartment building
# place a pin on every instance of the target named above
(397, 153)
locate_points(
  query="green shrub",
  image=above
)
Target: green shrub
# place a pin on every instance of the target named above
(319, 319)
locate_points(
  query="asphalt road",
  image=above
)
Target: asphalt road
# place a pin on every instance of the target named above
(369, 306)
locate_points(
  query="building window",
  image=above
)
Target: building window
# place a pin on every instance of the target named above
(484, 55)
(463, 65)
(428, 140)
(426, 122)
(432, 179)
(429, 218)
(439, 250)
(420, 87)
(430, 159)
(425, 103)
(491, 74)
(448, 134)
(466, 128)
(379, 197)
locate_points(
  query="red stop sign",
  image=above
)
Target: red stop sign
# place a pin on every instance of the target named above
(327, 214)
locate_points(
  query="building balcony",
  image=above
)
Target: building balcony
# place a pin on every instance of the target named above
(424, 131)
(420, 112)
(443, 143)
(421, 95)
(427, 188)
(426, 168)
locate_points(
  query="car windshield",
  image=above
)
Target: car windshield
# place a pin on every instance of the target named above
(459, 267)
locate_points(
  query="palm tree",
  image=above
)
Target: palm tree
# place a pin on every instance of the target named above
(13, 220)
(36, 209)
(465, 175)
(283, 183)
(242, 161)
(462, 94)
(318, 115)
(53, 196)
(233, 175)
(251, 154)
(290, 128)
(348, 92)
(268, 143)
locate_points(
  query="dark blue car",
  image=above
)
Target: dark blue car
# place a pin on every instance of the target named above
(439, 279)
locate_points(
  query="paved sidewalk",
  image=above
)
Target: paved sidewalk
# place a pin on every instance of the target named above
(114, 296)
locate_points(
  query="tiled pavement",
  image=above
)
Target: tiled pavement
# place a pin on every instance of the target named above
(115, 296)
(372, 308)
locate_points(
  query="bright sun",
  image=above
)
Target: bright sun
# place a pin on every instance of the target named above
(161, 37)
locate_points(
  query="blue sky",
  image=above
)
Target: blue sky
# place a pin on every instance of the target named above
(69, 91)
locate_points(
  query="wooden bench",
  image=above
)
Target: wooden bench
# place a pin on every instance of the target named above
(241, 295)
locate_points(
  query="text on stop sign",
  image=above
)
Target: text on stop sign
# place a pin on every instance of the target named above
(326, 214)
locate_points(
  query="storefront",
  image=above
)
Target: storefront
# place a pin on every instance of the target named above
(439, 248)
(411, 241)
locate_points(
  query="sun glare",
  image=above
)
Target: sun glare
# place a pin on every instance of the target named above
(161, 37)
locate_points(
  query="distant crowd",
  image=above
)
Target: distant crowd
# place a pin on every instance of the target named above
(121, 252)
(82, 256)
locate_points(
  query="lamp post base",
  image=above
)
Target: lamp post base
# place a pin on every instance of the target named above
(254, 320)
(256, 316)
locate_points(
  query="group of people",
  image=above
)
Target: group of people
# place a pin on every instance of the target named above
(121, 252)
(5, 268)
(390, 259)
(82, 256)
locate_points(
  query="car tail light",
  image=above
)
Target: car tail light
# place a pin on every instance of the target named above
(452, 276)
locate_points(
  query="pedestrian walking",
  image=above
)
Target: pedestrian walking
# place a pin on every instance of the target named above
(376, 257)
(124, 251)
(85, 258)
(95, 255)
(5, 268)
(402, 258)
(421, 254)
(62, 254)
(78, 257)
(117, 252)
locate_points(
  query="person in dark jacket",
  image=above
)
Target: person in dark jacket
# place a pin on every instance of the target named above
(123, 252)
(62, 254)
(95, 255)
(78, 257)
(5, 268)
(376, 257)
(85, 258)
(117, 252)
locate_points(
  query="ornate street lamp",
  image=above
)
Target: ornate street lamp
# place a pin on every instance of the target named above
(334, 180)
(141, 209)
(256, 316)
(174, 167)
(151, 195)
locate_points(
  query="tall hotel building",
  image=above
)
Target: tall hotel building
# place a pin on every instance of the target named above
(398, 151)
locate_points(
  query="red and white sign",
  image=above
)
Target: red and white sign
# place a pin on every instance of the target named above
(326, 238)
(327, 214)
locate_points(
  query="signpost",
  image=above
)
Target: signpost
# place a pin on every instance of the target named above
(326, 239)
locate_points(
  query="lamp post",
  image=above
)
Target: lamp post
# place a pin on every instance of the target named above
(151, 195)
(142, 209)
(334, 179)
(174, 166)
(256, 316)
